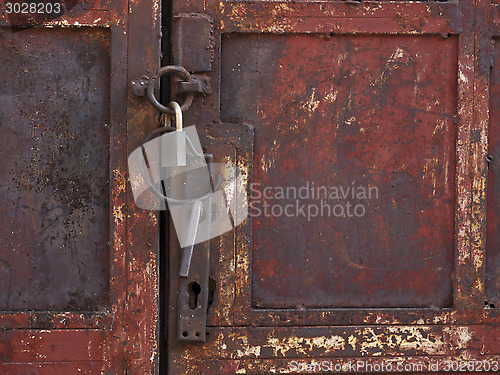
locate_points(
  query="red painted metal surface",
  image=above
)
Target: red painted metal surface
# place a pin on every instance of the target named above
(398, 95)
(79, 278)
(388, 94)
(367, 223)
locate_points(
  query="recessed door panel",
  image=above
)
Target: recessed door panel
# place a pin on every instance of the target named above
(55, 169)
(353, 191)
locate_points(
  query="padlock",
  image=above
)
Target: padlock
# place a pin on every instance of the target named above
(173, 144)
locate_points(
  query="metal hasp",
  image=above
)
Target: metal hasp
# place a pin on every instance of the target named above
(192, 303)
(180, 72)
(195, 86)
(193, 285)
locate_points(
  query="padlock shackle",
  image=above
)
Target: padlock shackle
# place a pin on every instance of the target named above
(178, 115)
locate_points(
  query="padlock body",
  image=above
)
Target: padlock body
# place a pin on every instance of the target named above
(173, 149)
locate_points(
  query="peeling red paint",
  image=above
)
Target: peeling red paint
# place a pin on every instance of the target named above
(116, 331)
(337, 91)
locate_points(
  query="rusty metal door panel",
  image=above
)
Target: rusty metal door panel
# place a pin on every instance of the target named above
(355, 124)
(55, 196)
(382, 94)
(77, 265)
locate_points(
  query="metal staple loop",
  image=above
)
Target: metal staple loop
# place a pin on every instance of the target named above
(180, 72)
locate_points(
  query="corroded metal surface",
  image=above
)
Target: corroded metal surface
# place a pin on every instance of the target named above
(425, 126)
(388, 94)
(273, 350)
(53, 241)
(116, 248)
(348, 132)
(193, 46)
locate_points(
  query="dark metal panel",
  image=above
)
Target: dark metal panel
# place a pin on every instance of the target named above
(55, 154)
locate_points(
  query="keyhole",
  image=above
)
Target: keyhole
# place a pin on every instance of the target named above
(194, 290)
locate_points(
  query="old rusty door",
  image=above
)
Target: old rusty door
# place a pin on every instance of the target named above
(367, 185)
(77, 262)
